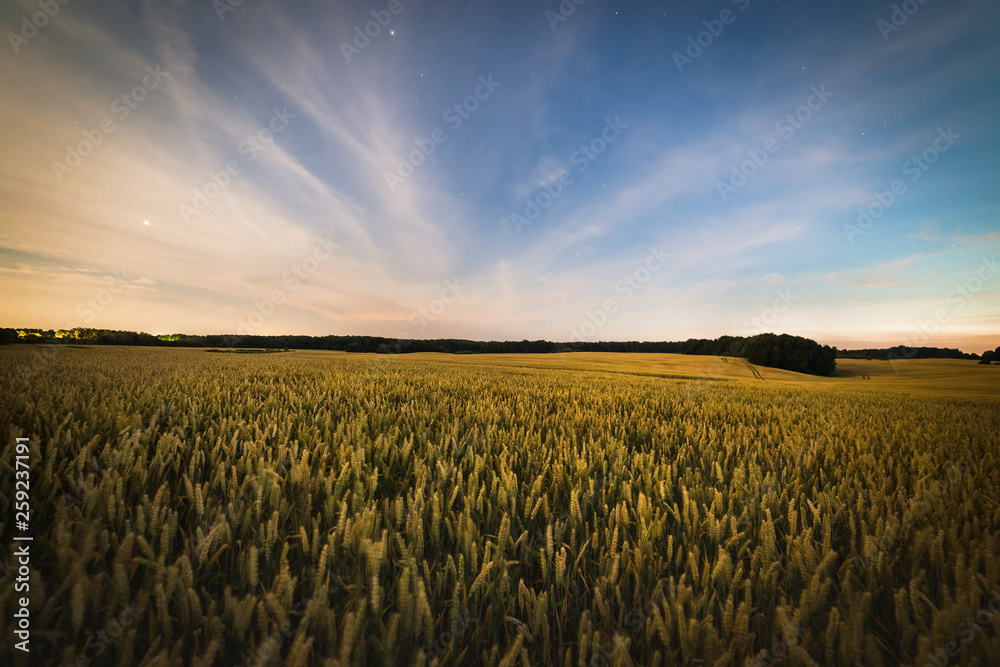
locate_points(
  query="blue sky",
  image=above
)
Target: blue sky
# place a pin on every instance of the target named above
(255, 182)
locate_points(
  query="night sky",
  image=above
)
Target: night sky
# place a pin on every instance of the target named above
(488, 170)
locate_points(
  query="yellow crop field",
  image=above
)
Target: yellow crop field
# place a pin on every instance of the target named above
(313, 508)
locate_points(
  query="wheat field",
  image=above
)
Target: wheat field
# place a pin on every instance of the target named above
(311, 508)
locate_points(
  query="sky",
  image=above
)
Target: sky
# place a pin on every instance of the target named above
(504, 171)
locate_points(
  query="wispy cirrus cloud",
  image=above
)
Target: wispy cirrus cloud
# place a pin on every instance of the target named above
(885, 274)
(973, 239)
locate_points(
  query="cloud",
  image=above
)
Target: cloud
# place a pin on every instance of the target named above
(877, 282)
(927, 233)
(901, 262)
(975, 239)
(883, 274)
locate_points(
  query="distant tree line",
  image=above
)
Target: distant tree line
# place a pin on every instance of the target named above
(792, 353)
(905, 352)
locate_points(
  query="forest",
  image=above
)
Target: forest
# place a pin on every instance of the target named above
(787, 352)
